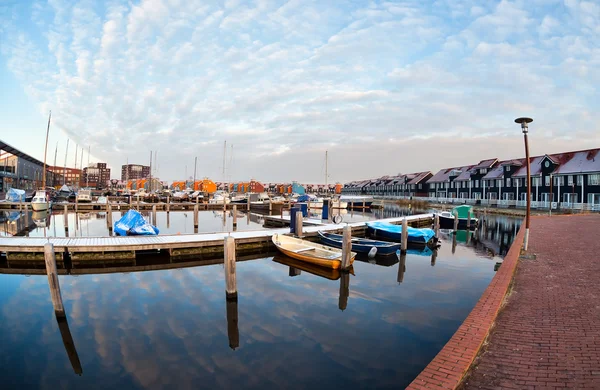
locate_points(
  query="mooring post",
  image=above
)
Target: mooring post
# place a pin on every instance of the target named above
(224, 204)
(229, 259)
(299, 224)
(347, 248)
(401, 267)
(436, 225)
(344, 290)
(233, 333)
(50, 260)
(154, 214)
(363, 206)
(404, 237)
(234, 217)
(66, 216)
(453, 243)
(455, 222)
(248, 203)
(195, 217)
(168, 204)
(433, 257)
(109, 218)
(76, 204)
(130, 201)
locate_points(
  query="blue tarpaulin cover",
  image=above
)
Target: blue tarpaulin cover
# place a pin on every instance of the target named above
(414, 234)
(15, 195)
(134, 224)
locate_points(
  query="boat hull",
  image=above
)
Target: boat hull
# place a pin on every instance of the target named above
(394, 233)
(40, 206)
(361, 245)
(448, 223)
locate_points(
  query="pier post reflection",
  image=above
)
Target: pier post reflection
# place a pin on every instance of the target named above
(294, 272)
(401, 267)
(233, 332)
(168, 220)
(453, 243)
(344, 290)
(433, 256)
(67, 339)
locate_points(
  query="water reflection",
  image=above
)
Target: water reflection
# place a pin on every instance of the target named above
(67, 338)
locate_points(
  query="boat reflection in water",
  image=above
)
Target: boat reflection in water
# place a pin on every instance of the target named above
(296, 267)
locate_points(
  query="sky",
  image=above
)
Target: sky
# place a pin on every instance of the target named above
(386, 87)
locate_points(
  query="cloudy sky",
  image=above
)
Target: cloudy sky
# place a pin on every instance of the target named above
(385, 87)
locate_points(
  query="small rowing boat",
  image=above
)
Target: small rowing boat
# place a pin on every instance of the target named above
(360, 245)
(310, 252)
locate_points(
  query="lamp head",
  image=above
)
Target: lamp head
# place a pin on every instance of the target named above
(524, 123)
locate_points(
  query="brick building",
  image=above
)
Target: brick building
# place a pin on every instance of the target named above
(96, 176)
(134, 172)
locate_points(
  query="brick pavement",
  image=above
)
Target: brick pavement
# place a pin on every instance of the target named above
(548, 334)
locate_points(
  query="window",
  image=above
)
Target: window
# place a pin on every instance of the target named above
(499, 183)
(594, 180)
(570, 180)
(547, 181)
(579, 180)
(476, 183)
(420, 186)
(508, 182)
(559, 180)
(508, 168)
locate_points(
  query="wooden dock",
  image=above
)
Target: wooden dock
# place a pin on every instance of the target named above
(118, 206)
(282, 221)
(90, 249)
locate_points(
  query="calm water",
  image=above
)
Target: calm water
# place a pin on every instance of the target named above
(174, 328)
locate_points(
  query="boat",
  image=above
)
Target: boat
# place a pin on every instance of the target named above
(15, 195)
(312, 201)
(134, 224)
(84, 196)
(219, 197)
(388, 231)
(239, 199)
(360, 245)
(356, 201)
(310, 252)
(447, 218)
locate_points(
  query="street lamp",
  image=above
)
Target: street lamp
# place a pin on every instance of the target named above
(525, 128)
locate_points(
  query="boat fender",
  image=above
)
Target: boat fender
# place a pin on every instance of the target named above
(337, 219)
(373, 252)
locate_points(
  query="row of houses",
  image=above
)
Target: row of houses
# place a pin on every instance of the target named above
(560, 178)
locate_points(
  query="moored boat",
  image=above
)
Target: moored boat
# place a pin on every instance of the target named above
(357, 201)
(310, 252)
(84, 196)
(447, 218)
(388, 231)
(41, 201)
(360, 245)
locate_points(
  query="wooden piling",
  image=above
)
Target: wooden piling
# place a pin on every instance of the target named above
(455, 222)
(347, 248)
(294, 272)
(66, 216)
(234, 216)
(229, 259)
(76, 204)
(433, 257)
(154, 214)
(299, 224)
(344, 290)
(195, 216)
(363, 206)
(168, 204)
(404, 237)
(453, 243)
(436, 225)
(50, 260)
(109, 218)
(224, 205)
(168, 220)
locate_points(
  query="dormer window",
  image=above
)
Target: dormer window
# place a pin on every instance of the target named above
(508, 168)
(483, 171)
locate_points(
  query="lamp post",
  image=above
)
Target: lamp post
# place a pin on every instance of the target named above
(525, 128)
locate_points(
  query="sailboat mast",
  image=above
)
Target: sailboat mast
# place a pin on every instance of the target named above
(194, 183)
(224, 157)
(87, 177)
(326, 173)
(65, 168)
(150, 185)
(81, 165)
(54, 166)
(46, 151)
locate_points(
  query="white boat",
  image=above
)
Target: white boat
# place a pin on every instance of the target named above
(219, 197)
(339, 204)
(41, 201)
(84, 196)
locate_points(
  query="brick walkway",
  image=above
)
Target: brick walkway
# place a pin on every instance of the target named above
(548, 334)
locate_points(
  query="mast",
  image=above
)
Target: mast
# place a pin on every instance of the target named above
(150, 185)
(54, 166)
(194, 184)
(46, 151)
(224, 157)
(81, 166)
(87, 176)
(326, 189)
(65, 168)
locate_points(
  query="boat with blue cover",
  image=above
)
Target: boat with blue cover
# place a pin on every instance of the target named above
(134, 224)
(360, 245)
(388, 231)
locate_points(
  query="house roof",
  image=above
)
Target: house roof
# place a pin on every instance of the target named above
(515, 162)
(495, 173)
(569, 163)
(418, 177)
(486, 163)
(443, 175)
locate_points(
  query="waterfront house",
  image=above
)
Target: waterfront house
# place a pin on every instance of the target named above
(443, 185)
